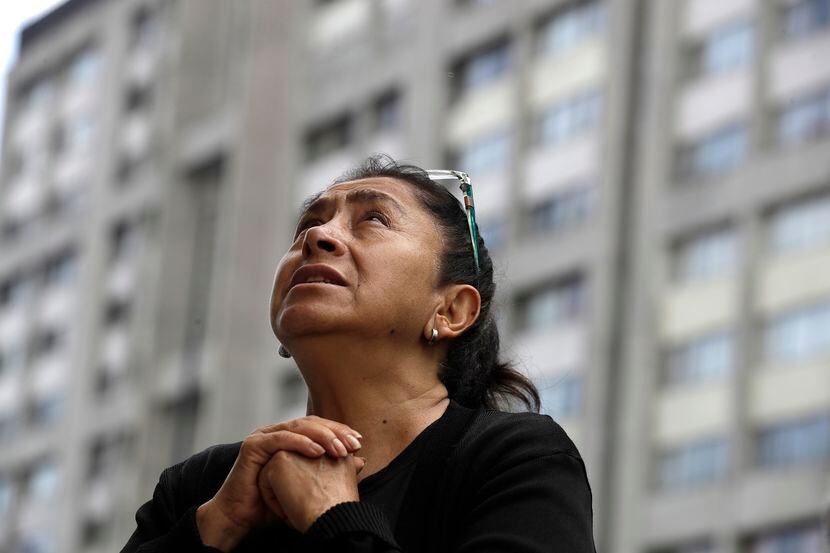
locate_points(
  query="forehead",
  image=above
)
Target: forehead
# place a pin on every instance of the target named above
(369, 189)
(400, 191)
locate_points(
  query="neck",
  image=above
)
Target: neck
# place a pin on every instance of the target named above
(389, 397)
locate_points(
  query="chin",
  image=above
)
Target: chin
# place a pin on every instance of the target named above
(297, 320)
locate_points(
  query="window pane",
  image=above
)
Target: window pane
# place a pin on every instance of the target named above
(328, 137)
(800, 226)
(702, 359)
(805, 119)
(709, 254)
(714, 154)
(486, 155)
(561, 395)
(727, 48)
(572, 25)
(795, 442)
(799, 334)
(803, 17)
(569, 118)
(697, 463)
(552, 305)
(482, 67)
(562, 210)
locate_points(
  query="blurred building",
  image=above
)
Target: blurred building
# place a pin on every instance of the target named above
(652, 178)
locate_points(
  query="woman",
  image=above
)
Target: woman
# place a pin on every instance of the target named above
(381, 304)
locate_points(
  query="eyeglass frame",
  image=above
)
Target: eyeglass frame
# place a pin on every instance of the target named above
(469, 205)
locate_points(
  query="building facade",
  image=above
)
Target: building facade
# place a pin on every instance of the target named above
(652, 179)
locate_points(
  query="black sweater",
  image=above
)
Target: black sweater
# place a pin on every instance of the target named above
(481, 480)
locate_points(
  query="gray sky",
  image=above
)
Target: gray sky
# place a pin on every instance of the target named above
(13, 14)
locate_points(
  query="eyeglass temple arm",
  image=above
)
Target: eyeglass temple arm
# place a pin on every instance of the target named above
(469, 202)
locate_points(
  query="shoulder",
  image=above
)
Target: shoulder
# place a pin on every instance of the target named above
(504, 437)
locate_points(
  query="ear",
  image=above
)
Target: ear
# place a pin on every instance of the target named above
(457, 312)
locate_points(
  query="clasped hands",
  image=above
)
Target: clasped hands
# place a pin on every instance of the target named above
(291, 472)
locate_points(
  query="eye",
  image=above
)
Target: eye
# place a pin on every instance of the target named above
(305, 224)
(377, 215)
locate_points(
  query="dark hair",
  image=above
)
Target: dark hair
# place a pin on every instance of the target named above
(472, 372)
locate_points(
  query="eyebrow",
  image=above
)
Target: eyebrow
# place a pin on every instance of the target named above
(359, 195)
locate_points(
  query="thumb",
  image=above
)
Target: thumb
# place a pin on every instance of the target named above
(360, 462)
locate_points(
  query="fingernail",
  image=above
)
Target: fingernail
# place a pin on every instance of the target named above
(341, 449)
(317, 448)
(353, 441)
(358, 434)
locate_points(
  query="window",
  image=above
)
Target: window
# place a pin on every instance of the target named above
(386, 112)
(714, 154)
(6, 496)
(552, 304)
(702, 359)
(726, 49)
(117, 312)
(709, 254)
(485, 155)
(694, 464)
(483, 67)
(493, 230)
(60, 269)
(804, 17)
(801, 225)
(9, 425)
(702, 545)
(561, 395)
(43, 481)
(800, 538)
(794, 443)
(328, 137)
(145, 27)
(799, 334)
(567, 27)
(47, 341)
(38, 542)
(36, 95)
(105, 453)
(569, 119)
(123, 239)
(15, 290)
(12, 357)
(84, 66)
(73, 135)
(138, 98)
(562, 210)
(805, 119)
(48, 409)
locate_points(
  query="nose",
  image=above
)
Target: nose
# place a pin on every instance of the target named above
(319, 239)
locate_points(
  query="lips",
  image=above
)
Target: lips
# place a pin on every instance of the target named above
(316, 271)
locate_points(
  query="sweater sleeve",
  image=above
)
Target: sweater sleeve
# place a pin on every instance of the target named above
(161, 527)
(539, 505)
(352, 527)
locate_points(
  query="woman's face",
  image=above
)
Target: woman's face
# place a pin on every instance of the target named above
(380, 250)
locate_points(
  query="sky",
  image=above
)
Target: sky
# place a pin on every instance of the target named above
(13, 14)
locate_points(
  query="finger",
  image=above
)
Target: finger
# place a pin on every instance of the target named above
(321, 430)
(322, 434)
(349, 436)
(268, 496)
(259, 448)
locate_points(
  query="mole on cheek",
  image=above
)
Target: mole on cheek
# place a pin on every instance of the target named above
(384, 421)
(392, 331)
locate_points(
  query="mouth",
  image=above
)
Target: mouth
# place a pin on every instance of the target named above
(316, 274)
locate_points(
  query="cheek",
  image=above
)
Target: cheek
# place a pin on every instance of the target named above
(282, 277)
